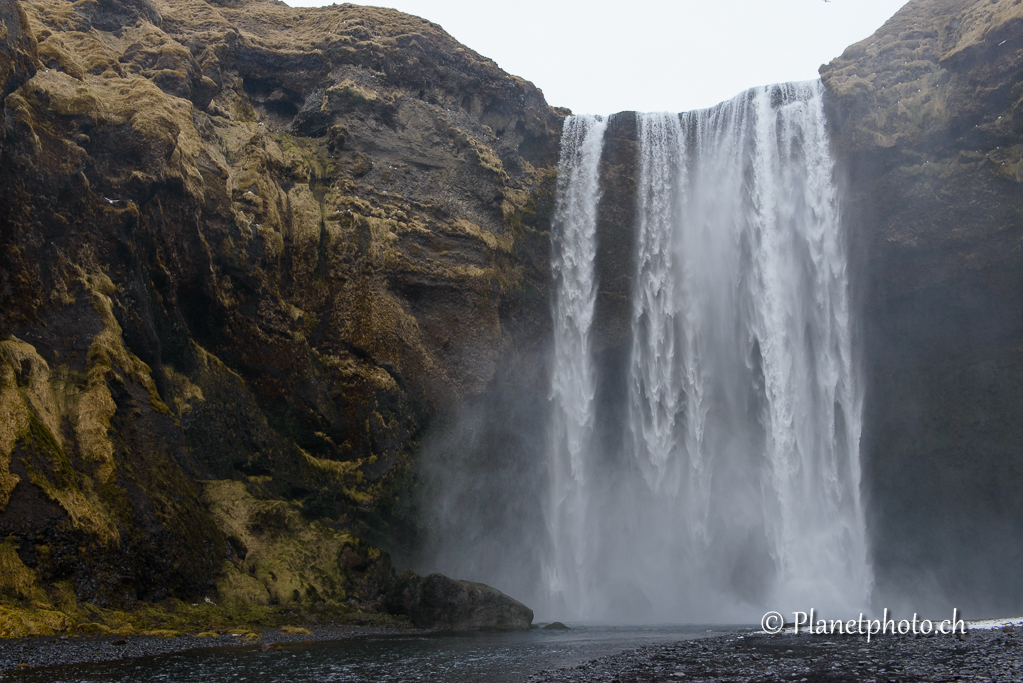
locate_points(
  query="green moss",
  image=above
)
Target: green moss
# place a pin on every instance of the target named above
(43, 440)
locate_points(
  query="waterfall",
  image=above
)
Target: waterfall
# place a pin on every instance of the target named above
(572, 380)
(737, 486)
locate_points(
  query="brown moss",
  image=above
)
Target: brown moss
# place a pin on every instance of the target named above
(51, 399)
(16, 580)
(930, 67)
(31, 621)
(14, 418)
(299, 566)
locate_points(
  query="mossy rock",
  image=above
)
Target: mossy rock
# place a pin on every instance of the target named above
(30, 621)
(162, 633)
(245, 632)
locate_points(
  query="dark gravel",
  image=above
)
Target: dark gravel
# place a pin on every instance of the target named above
(750, 657)
(51, 651)
(742, 657)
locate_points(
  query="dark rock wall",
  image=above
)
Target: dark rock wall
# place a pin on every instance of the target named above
(615, 269)
(17, 47)
(927, 119)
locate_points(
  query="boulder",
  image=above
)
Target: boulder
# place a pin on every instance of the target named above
(436, 601)
(556, 626)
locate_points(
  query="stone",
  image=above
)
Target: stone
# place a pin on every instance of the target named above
(556, 626)
(438, 602)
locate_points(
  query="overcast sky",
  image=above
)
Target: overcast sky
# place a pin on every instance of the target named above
(601, 57)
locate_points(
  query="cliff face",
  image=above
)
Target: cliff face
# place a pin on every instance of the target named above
(248, 253)
(615, 269)
(927, 119)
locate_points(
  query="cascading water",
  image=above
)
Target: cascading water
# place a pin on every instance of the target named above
(572, 381)
(737, 487)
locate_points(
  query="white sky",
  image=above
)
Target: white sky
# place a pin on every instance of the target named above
(601, 57)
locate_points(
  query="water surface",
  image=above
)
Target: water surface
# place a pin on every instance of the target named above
(413, 657)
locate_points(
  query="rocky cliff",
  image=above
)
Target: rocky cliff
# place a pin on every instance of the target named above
(927, 118)
(255, 261)
(247, 254)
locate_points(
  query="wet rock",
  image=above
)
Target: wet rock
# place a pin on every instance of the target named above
(556, 626)
(438, 602)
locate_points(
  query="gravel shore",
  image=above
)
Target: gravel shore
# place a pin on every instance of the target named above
(993, 655)
(21, 654)
(740, 657)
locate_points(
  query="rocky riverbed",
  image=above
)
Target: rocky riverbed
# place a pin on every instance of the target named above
(991, 655)
(741, 656)
(25, 654)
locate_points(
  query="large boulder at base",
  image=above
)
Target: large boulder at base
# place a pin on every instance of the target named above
(436, 601)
